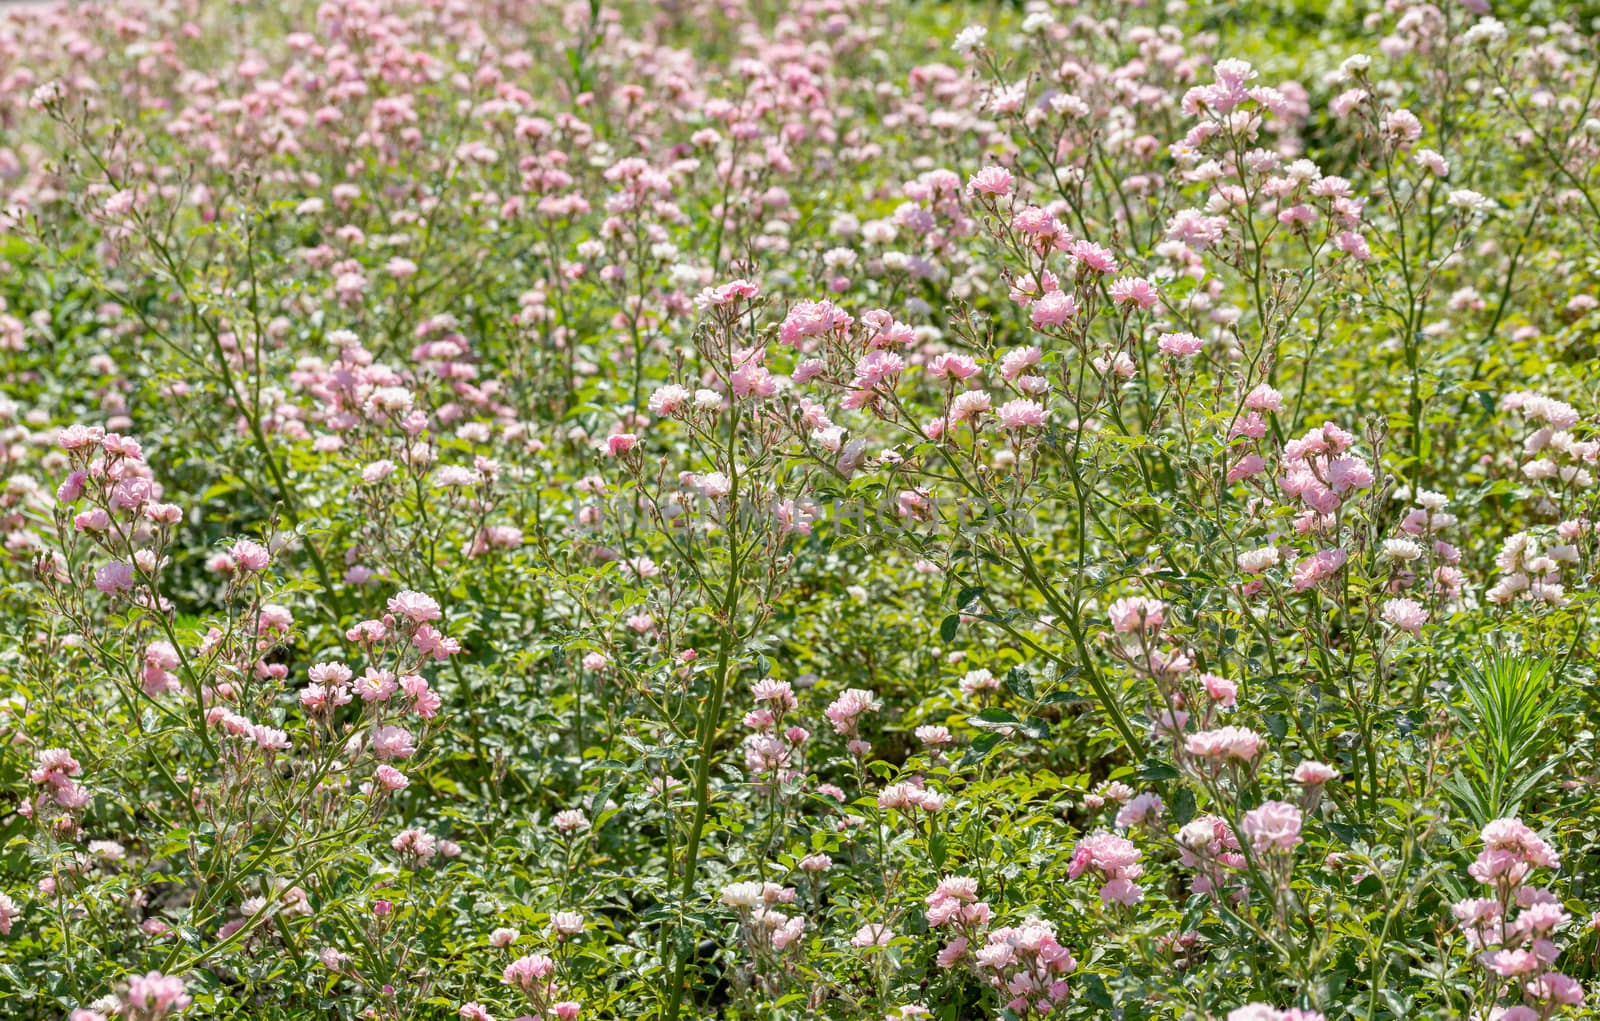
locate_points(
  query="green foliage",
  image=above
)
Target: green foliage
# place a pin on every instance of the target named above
(1510, 711)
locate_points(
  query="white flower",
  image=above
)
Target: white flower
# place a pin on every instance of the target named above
(1468, 200)
(1486, 32)
(970, 38)
(709, 400)
(714, 485)
(1403, 550)
(1197, 835)
(1037, 22)
(1355, 64)
(1069, 106)
(741, 895)
(1257, 560)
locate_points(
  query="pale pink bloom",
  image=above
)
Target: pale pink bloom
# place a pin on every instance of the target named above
(952, 953)
(269, 738)
(434, 645)
(392, 742)
(812, 319)
(991, 180)
(753, 380)
(1238, 743)
(571, 821)
(726, 294)
(1555, 988)
(1402, 127)
(1246, 467)
(952, 366)
(131, 493)
(670, 399)
(1181, 345)
(122, 446)
(808, 370)
(845, 711)
(969, 404)
(1022, 414)
(414, 606)
(274, 618)
(1513, 836)
(1220, 689)
(153, 996)
(1116, 860)
(1512, 963)
(77, 437)
(375, 685)
(1053, 309)
(377, 471)
(1092, 256)
(71, 488)
(815, 863)
(709, 400)
(1405, 614)
(1019, 360)
(1136, 291)
(1264, 1012)
(1035, 222)
(979, 680)
(390, 779)
(1272, 826)
(1195, 229)
(1313, 773)
(1137, 613)
(529, 973)
(1263, 398)
(1354, 245)
(114, 577)
(567, 923)
(1318, 567)
(878, 367)
(55, 766)
(159, 659)
(416, 844)
(933, 737)
(1120, 365)
(503, 937)
(872, 935)
(779, 694)
(1142, 810)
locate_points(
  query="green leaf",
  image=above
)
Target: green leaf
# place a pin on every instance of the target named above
(993, 718)
(1183, 806)
(1019, 683)
(947, 628)
(979, 750)
(1155, 771)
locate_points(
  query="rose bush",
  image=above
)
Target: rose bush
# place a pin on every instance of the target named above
(834, 509)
